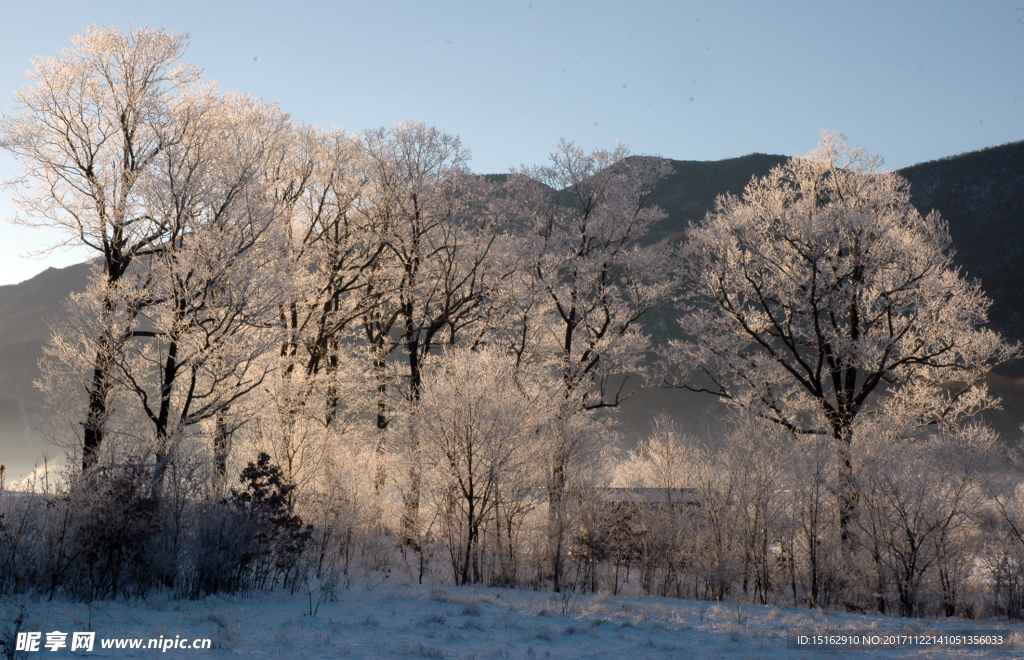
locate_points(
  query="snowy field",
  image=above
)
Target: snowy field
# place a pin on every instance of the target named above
(432, 622)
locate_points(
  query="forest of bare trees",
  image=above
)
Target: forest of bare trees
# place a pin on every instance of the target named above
(307, 358)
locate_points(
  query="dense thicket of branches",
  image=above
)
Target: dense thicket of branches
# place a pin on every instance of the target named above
(306, 357)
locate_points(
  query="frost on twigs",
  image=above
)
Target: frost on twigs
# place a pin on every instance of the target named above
(821, 296)
(822, 293)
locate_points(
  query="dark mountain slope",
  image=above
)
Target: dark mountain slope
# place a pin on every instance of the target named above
(981, 195)
(689, 192)
(25, 309)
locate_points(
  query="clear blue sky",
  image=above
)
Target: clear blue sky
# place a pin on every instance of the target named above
(913, 81)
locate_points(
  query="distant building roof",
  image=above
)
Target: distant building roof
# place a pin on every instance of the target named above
(646, 495)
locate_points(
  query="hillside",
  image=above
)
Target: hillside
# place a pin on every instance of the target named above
(689, 192)
(25, 309)
(981, 195)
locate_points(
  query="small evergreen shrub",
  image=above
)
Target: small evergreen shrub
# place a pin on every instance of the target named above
(266, 500)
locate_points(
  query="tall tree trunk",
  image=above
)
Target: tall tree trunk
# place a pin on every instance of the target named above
(556, 512)
(96, 417)
(560, 459)
(221, 448)
(97, 414)
(333, 399)
(410, 517)
(847, 486)
(470, 538)
(380, 449)
(164, 442)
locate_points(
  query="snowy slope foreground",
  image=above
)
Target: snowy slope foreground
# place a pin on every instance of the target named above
(431, 622)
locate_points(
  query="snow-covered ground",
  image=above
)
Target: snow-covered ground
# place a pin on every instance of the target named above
(444, 622)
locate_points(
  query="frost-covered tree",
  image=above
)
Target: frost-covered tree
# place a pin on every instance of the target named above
(434, 274)
(822, 294)
(89, 129)
(919, 512)
(480, 427)
(590, 284)
(661, 461)
(192, 330)
(208, 296)
(325, 253)
(329, 250)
